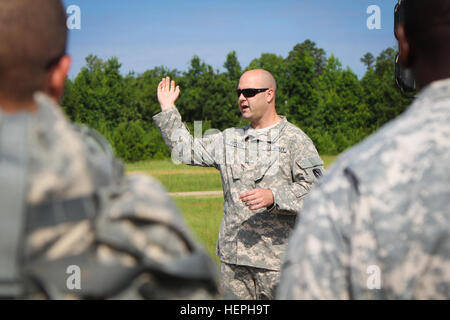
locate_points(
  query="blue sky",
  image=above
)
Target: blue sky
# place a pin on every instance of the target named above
(147, 33)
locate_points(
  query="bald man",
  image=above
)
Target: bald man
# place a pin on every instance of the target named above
(267, 169)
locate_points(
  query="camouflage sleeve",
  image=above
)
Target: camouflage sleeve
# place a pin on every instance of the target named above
(199, 151)
(289, 196)
(150, 224)
(316, 263)
(137, 248)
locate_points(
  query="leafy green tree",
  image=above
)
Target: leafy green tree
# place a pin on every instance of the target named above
(339, 114)
(232, 66)
(208, 95)
(318, 54)
(382, 96)
(302, 86)
(315, 92)
(368, 60)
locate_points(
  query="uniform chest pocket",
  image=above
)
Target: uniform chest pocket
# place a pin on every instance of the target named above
(250, 173)
(236, 171)
(266, 169)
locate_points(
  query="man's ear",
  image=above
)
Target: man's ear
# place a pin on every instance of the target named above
(404, 47)
(270, 95)
(57, 76)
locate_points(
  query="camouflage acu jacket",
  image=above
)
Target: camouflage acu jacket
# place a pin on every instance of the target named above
(377, 226)
(284, 160)
(123, 233)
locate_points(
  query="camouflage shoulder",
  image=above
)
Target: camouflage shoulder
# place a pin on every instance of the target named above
(294, 130)
(301, 144)
(169, 248)
(295, 133)
(142, 197)
(137, 246)
(103, 165)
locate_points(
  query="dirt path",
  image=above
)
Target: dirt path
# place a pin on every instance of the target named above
(174, 171)
(196, 194)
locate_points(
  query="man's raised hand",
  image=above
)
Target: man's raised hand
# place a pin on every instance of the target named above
(167, 93)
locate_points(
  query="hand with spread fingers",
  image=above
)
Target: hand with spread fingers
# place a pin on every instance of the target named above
(257, 198)
(167, 93)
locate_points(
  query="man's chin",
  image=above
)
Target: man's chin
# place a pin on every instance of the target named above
(246, 116)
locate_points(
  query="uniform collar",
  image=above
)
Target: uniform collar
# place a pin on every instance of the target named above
(47, 108)
(47, 116)
(270, 136)
(47, 111)
(439, 89)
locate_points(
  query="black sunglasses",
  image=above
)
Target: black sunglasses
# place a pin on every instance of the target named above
(248, 93)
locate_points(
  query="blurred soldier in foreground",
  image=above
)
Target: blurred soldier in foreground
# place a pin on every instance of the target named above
(71, 224)
(267, 169)
(377, 226)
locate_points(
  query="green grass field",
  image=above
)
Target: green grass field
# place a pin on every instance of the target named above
(202, 214)
(179, 178)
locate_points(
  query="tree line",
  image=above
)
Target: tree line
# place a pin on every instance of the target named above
(328, 102)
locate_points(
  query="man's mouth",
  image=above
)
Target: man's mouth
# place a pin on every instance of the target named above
(245, 108)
